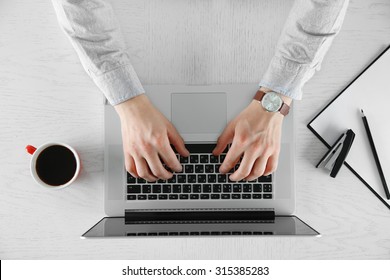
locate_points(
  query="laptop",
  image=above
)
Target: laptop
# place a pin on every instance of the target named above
(199, 201)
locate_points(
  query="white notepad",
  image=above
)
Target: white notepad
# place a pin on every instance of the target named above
(370, 91)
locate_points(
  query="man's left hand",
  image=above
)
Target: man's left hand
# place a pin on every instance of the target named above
(255, 135)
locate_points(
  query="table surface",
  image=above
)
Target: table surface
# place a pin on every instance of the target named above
(47, 96)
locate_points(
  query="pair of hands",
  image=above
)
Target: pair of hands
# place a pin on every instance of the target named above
(146, 133)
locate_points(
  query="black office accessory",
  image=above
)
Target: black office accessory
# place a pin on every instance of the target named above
(335, 157)
(383, 56)
(373, 149)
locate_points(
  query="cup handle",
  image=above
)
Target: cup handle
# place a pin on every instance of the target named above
(30, 149)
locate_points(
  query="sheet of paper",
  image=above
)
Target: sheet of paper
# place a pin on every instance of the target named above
(370, 92)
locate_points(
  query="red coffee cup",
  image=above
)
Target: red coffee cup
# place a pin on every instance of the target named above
(54, 165)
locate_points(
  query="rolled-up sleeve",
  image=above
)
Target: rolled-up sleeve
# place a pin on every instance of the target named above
(306, 37)
(94, 32)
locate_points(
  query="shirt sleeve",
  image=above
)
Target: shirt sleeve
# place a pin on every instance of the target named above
(94, 32)
(306, 37)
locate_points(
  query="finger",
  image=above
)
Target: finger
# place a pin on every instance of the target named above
(177, 141)
(130, 166)
(272, 164)
(169, 157)
(224, 139)
(143, 169)
(156, 167)
(232, 157)
(246, 166)
(258, 168)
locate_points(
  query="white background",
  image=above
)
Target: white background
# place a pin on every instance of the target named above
(46, 96)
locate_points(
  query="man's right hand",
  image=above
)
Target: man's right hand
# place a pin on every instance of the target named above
(146, 136)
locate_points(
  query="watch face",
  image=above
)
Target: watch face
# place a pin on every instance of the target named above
(272, 101)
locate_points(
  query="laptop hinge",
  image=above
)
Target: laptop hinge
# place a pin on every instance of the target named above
(199, 216)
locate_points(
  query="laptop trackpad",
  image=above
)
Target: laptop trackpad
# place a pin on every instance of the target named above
(200, 113)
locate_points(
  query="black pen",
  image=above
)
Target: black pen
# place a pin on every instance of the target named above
(373, 149)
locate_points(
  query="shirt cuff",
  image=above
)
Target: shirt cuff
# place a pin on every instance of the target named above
(120, 84)
(286, 77)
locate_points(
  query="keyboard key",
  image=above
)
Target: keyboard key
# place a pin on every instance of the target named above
(134, 189)
(194, 196)
(215, 196)
(131, 197)
(163, 196)
(246, 196)
(211, 178)
(146, 189)
(206, 188)
(209, 168)
(225, 196)
(247, 188)
(204, 158)
(173, 179)
(256, 187)
(194, 233)
(237, 187)
(191, 178)
(142, 197)
(222, 157)
(156, 188)
(205, 233)
(187, 188)
(173, 233)
(236, 196)
(167, 188)
(152, 196)
(130, 179)
(227, 188)
(161, 181)
(201, 178)
(265, 178)
(213, 159)
(183, 159)
(217, 188)
(181, 178)
(141, 181)
(173, 196)
(194, 159)
(183, 196)
(267, 188)
(199, 168)
(197, 188)
(204, 196)
(256, 196)
(216, 168)
(176, 189)
(221, 178)
(267, 196)
(189, 168)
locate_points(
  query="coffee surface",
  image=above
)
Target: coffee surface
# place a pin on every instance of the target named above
(56, 165)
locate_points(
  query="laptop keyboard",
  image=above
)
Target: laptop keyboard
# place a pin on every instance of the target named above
(200, 180)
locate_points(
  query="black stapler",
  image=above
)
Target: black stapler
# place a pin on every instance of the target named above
(335, 157)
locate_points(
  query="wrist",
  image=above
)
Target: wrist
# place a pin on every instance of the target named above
(132, 105)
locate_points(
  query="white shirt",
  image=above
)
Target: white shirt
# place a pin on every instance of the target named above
(93, 30)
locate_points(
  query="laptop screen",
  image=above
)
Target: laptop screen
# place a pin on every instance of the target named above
(281, 225)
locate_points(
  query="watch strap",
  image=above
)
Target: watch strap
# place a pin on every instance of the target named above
(284, 109)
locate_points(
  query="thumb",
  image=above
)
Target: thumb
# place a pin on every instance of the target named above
(224, 139)
(177, 141)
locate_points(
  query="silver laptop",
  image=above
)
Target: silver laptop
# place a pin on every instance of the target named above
(199, 200)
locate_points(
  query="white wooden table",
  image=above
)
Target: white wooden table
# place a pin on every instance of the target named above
(46, 96)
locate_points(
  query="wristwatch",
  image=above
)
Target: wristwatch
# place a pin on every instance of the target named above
(272, 102)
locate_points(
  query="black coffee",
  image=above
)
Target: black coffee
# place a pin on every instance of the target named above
(56, 165)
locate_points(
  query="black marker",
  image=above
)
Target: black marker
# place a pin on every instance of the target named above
(373, 149)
